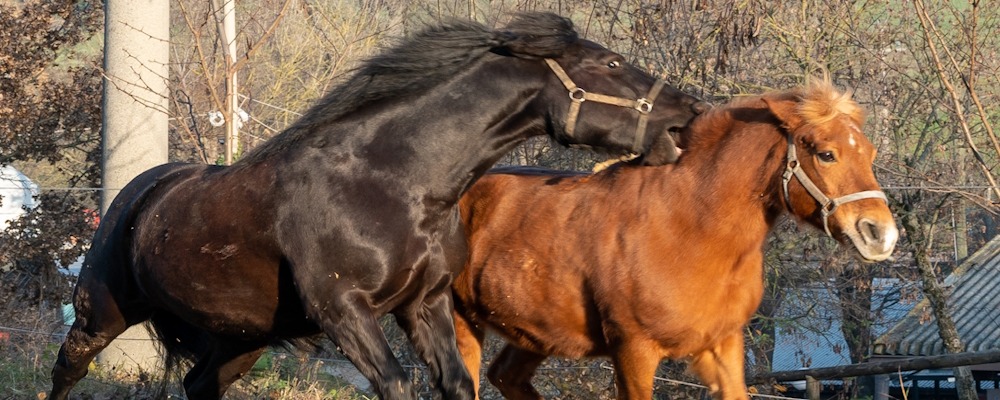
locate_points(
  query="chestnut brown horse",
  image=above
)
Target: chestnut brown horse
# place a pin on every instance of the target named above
(351, 213)
(644, 263)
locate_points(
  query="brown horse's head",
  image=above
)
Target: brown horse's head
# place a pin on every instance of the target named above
(829, 181)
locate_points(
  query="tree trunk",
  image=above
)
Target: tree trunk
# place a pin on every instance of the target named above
(762, 326)
(964, 382)
(961, 220)
(854, 292)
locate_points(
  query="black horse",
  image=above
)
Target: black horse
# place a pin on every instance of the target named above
(351, 212)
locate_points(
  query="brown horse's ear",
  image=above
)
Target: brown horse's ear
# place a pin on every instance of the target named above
(784, 110)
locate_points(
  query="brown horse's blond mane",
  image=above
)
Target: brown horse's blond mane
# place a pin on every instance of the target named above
(816, 103)
(821, 102)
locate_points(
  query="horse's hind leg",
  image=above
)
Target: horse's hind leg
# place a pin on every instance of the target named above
(512, 370)
(431, 330)
(721, 368)
(98, 321)
(470, 345)
(217, 369)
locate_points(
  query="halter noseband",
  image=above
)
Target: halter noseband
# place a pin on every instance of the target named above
(578, 96)
(827, 205)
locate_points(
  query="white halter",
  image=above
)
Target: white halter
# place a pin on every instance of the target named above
(827, 205)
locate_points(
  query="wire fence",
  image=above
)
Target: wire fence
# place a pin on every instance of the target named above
(956, 187)
(603, 366)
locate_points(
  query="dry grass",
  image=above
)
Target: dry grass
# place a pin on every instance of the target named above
(26, 361)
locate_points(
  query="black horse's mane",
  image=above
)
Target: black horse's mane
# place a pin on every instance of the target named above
(420, 62)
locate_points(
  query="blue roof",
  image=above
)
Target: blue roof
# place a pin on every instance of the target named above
(810, 335)
(974, 299)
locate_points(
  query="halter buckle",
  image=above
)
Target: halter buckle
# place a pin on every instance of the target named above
(643, 105)
(828, 208)
(582, 93)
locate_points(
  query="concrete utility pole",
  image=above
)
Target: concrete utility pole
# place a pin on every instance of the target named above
(136, 53)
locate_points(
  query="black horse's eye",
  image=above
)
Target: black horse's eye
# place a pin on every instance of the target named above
(614, 64)
(826, 156)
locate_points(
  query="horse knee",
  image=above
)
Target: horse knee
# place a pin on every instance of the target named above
(82, 346)
(74, 358)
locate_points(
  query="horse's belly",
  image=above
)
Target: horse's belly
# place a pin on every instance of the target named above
(532, 305)
(569, 341)
(222, 288)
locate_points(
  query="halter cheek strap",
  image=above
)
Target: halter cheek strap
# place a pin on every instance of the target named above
(578, 96)
(827, 205)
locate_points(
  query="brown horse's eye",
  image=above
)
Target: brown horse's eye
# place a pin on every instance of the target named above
(614, 64)
(826, 157)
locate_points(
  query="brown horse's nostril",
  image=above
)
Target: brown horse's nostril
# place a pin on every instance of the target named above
(700, 107)
(869, 230)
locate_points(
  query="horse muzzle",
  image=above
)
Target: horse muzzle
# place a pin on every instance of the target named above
(873, 240)
(665, 149)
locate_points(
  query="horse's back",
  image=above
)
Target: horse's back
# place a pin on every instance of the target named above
(509, 188)
(524, 170)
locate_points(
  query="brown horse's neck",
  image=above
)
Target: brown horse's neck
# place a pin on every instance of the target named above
(730, 174)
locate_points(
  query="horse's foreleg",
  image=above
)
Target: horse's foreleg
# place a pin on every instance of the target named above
(432, 331)
(219, 367)
(512, 370)
(470, 344)
(721, 368)
(354, 329)
(98, 322)
(635, 368)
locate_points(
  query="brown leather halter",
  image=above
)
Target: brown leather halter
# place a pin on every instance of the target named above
(827, 205)
(578, 96)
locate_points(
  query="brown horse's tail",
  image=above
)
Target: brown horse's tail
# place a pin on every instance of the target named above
(181, 341)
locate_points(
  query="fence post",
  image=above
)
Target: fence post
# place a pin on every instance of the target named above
(813, 387)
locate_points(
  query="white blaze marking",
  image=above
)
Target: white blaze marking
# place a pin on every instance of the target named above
(850, 135)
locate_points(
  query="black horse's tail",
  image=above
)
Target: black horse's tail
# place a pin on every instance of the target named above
(181, 341)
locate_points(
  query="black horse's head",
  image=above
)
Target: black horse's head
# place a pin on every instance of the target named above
(594, 98)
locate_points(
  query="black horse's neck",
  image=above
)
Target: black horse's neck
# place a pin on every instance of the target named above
(439, 141)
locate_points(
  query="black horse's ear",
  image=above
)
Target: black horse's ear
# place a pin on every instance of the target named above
(785, 111)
